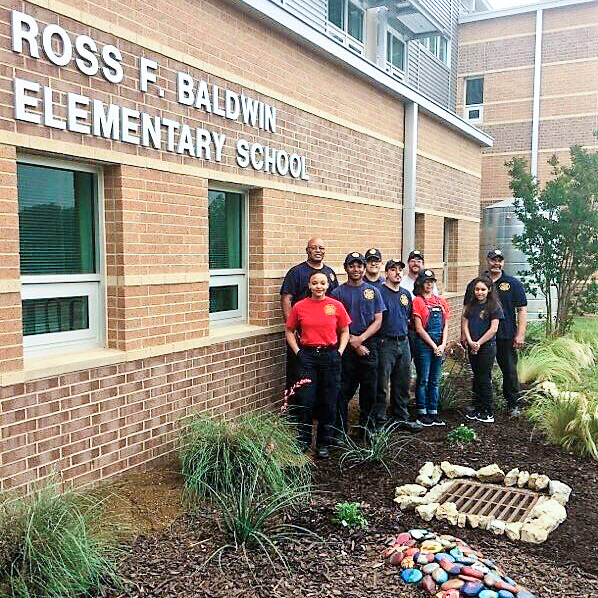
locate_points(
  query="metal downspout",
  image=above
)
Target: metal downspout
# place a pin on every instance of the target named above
(409, 178)
(536, 100)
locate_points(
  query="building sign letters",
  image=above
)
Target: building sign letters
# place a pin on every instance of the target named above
(34, 103)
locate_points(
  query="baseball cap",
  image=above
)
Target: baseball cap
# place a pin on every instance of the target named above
(354, 256)
(373, 254)
(427, 275)
(495, 254)
(394, 262)
(415, 254)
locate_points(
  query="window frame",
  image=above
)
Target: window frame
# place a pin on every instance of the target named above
(426, 43)
(342, 35)
(232, 276)
(467, 107)
(390, 67)
(91, 285)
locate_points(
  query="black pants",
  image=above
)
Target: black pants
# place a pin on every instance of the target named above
(506, 356)
(291, 376)
(481, 387)
(394, 365)
(359, 372)
(319, 398)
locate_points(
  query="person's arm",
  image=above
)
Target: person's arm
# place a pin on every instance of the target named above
(343, 339)
(357, 341)
(490, 333)
(285, 304)
(466, 299)
(519, 339)
(465, 334)
(419, 328)
(442, 346)
(292, 340)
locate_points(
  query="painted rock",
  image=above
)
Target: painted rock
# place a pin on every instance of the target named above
(396, 558)
(440, 576)
(467, 577)
(421, 559)
(452, 584)
(471, 572)
(407, 563)
(430, 568)
(449, 594)
(411, 575)
(411, 543)
(452, 568)
(411, 551)
(431, 546)
(525, 594)
(443, 556)
(489, 563)
(456, 552)
(509, 580)
(488, 594)
(403, 538)
(418, 534)
(466, 560)
(472, 588)
(503, 585)
(429, 585)
(505, 594)
(480, 567)
(430, 536)
(394, 548)
(491, 579)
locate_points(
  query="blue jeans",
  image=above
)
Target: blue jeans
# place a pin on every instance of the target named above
(429, 368)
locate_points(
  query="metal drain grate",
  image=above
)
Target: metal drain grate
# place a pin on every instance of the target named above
(500, 502)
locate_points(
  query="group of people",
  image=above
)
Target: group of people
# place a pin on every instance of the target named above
(364, 333)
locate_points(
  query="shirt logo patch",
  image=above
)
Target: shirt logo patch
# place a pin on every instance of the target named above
(504, 286)
(369, 294)
(404, 299)
(330, 310)
(482, 314)
(332, 277)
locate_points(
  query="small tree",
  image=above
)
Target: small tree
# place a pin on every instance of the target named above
(560, 231)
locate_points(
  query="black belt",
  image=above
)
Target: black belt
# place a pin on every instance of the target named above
(394, 338)
(320, 348)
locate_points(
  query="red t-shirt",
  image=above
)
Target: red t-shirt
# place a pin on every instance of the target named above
(420, 308)
(318, 322)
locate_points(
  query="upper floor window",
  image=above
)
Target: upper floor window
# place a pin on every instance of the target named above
(345, 23)
(439, 46)
(474, 99)
(59, 224)
(227, 255)
(395, 53)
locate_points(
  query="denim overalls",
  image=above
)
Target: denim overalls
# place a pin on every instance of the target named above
(428, 365)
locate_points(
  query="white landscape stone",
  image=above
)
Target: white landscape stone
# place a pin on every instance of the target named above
(409, 502)
(462, 520)
(497, 527)
(551, 509)
(513, 530)
(532, 480)
(426, 469)
(438, 490)
(447, 512)
(427, 512)
(542, 482)
(490, 473)
(523, 478)
(511, 477)
(485, 521)
(410, 490)
(473, 520)
(559, 491)
(457, 471)
(530, 532)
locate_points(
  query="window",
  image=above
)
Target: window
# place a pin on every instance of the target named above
(395, 54)
(345, 23)
(227, 259)
(59, 224)
(474, 99)
(438, 46)
(449, 254)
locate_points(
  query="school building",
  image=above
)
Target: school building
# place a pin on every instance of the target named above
(161, 167)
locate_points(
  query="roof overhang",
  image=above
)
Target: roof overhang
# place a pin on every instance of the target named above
(413, 18)
(517, 10)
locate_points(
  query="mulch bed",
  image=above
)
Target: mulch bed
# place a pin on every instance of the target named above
(171, 562)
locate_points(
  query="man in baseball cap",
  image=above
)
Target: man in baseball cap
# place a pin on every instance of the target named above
(373, 266)
(415, 262)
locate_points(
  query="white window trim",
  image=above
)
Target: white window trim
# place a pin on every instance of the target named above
(390, 68)
(342, 35)
(468, 107)
(91, 285)
(436, 57)
(234, 276)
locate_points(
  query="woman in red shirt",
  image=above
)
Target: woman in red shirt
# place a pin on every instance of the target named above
(317, 331)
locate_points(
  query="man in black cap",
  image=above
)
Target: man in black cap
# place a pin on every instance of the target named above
(415, 263)
(295, 287)
(373, 266)
(364, 305)
(511, 331)
(394, 360)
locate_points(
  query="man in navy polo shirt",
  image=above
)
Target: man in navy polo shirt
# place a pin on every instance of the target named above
(394, 359)
(511, 331)
(364, 305)
(373, 265)
(295, 287)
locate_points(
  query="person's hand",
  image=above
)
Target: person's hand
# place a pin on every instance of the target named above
(518, 341)
(355, 341)
(475, 347)
(439, 352)
(463, 341)
(362, 351)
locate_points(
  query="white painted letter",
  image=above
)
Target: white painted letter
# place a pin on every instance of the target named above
(184, 88)
(219, 139)
(106, 125)
(128, 130)
(67, 46)
(232, 105)
(185, 141)
(151, 131)
(19, 21)
(76, 114)
(88, 61)
(203, 97)
(22, 101)
(249, 109)
(172, 126)
(243, 153)
(146, 74)
(49, 119)
(113, 71)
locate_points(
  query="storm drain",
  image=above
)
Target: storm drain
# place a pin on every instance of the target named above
(499, 502)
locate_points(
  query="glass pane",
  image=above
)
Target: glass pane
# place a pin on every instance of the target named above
(473, 114)
(56, 314)
(474, 91)
(224, 298)
(56, 220)
(226, 229)
(442, 54)
(355, 22)
(336, 10)
(396, 52)
(434, 45)
(388, 47)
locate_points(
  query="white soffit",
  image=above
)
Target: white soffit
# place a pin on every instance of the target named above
(517, 10)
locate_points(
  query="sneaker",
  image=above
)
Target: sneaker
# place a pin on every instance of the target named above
(409, 426)
(437, 420)
(514, 412)
(486, 418)
(472, 413)
(323, 452)
(425, 420)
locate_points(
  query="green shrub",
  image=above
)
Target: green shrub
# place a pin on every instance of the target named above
(52, 545)
(380, 446)
(349, 514)
(215, 452)
(568, 419)
(461, 435)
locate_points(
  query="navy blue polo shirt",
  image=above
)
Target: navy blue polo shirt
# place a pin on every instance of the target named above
(479, 320)
(296, 281)
(362, 303)
(378, 283)
(512, 295)
(398, 311)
